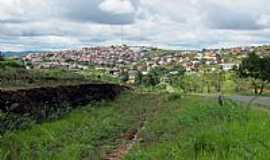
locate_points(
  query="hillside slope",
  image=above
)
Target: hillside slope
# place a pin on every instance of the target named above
(146, 126)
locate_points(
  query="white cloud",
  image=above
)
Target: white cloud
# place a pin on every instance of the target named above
(264, 20)
(117, 6)
(45, 24)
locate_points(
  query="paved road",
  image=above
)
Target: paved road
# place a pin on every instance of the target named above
(265, 101)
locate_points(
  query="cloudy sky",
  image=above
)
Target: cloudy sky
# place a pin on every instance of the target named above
(185, 24)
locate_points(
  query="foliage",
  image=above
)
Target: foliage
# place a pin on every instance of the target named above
(175, 127)
(156, 75)
(13, 78)
(98, 76)
(11, 64)
(56, 74)
(1, 56)
(86, 133)
(198, 128)
(192, 83)
(258, 68)
(206, 81)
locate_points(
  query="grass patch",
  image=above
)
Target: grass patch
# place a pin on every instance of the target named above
(86, 133)
(201, 129)
(175, 127)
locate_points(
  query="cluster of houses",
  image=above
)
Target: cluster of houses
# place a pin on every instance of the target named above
(117, 60)
(101, 57)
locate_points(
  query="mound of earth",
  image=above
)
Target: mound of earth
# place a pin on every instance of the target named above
(42, 100)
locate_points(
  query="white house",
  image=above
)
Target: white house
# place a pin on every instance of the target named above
(228, 66)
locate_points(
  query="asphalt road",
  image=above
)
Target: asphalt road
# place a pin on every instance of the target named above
(265, 101)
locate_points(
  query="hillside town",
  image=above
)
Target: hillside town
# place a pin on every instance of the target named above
(116, 60)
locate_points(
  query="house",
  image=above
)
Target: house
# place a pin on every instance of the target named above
(228, 66)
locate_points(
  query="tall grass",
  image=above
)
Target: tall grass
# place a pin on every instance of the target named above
(86, 133)
(203, 130)
(175, 128)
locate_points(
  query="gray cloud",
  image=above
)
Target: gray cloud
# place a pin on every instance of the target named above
(27, 24)
(89, 11)
(221, 17)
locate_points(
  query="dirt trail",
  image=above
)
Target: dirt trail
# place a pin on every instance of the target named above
(132, 137)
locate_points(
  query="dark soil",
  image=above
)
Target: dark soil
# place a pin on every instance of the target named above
(38, 101)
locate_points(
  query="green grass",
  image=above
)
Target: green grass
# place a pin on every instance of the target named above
(175, 128)
(86, 133)
(9, 63)
(197, 128)
(21, 78)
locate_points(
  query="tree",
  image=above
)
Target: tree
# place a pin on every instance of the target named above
(138, 79)
(155, 75)
(257, 68)
(1, 56)
(175, 74)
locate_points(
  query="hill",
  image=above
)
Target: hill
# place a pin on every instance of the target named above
(146, 126)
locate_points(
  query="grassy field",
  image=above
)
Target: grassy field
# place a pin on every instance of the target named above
(86, 133)
(14, 76)
(174, 128)
(198, 128)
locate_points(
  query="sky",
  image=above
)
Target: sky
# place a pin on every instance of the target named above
(183, 24)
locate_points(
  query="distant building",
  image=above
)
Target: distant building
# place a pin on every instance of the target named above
(228, 66)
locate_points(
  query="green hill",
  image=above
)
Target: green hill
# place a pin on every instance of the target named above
(146, 126)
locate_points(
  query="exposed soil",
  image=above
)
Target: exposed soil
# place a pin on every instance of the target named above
(131, 137)
(122, 150)
(40, 100)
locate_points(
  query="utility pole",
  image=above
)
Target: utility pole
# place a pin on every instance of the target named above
(122, 34)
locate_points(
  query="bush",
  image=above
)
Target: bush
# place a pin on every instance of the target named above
(11, 64)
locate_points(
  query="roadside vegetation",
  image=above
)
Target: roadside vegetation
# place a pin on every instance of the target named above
(258, 70)
(198, 128)
(174, 127)
(170, 114)
(251, 77)
(14, 75)
(86, 133)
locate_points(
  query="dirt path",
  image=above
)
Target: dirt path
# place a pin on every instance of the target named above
(132, 137)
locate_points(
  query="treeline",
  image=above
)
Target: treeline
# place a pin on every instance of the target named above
(257, 69)
(253, 73)
(178, 80)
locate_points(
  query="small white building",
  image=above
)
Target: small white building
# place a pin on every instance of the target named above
(228, 66)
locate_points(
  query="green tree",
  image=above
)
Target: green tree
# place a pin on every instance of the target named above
(152, 78)
(155, 75)
(1, 56)
(257, 68)
(192, 83)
